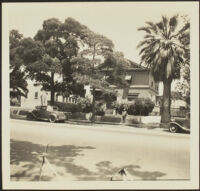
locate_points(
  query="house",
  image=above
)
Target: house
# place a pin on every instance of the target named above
(140, 79)
(36, 96)
(141, 84)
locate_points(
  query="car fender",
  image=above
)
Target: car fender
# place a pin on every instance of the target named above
(180, 126)
(53, 114)
(34, 115)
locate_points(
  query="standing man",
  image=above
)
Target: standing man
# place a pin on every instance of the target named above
(44, 98)
(124, 114)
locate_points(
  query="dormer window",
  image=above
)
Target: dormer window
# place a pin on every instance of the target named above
(36, 95)
(128, 78)
(105, 77)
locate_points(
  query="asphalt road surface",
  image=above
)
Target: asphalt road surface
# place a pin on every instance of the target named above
(96, 152)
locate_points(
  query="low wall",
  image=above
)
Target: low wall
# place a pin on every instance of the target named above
(143, 119)
(130, 120)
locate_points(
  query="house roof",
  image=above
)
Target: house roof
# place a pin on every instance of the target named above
(134, 65)
(130, 66)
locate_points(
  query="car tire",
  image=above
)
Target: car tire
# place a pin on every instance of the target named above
(52, 119)
(173, 128)
(30, 117)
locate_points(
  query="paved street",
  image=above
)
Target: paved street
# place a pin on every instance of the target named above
(96, 152)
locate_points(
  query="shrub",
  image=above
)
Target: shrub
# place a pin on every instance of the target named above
(100, 112)
(99, 108)
(78, 115)
(113, 119)
(142, 106)
(85, 104)
(120, 106)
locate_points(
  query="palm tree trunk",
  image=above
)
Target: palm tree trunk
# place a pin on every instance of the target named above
(52, 89)
(93, 105)
(166, 102)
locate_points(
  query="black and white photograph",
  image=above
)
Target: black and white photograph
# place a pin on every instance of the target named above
(100, 95)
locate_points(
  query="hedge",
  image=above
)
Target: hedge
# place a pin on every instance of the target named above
(140, 106)
(68, 107)
(78, 115)
(113, 119)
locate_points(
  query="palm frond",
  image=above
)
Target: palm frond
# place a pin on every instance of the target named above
(146, 29)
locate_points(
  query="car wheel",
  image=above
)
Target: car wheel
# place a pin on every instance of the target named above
(52, 119)
(173, 128)
(30, 117)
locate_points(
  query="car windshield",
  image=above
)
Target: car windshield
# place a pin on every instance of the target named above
(43, 107)
(55, 108)
(52, 108)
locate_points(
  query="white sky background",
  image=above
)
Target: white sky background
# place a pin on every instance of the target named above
(118, 21)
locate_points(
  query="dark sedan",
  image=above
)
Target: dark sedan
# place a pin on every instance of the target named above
(180, 124)
(49, 113)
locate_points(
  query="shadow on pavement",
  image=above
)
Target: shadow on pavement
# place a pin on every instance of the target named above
(25, 159)
(25, 164)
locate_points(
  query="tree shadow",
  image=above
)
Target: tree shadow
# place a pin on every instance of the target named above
(106, 170)
(26, 163)
(26, 160)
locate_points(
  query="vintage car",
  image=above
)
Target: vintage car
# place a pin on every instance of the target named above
(180, 124)
(49, 113)
(19, 113)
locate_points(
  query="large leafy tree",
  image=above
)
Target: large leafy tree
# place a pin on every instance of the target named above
(61, 43)
(17, 75)
(163, 52)
(44, 70)
(71, 33)
(87, 62)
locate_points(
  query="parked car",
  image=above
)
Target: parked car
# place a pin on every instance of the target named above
(179, 124)
(19, 113)
(49, 113)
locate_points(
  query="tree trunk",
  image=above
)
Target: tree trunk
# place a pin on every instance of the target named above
(52, 89)
(93, 105)
(166, 103)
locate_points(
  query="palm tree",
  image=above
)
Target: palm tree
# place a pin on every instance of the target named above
(163, 52)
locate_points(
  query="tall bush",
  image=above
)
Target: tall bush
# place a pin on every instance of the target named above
(141, 106)
(85, 104)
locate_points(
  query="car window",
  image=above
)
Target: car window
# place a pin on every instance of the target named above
(23, 112)
(43, 107)
(15, 112)
(55, 108)
(187, 115)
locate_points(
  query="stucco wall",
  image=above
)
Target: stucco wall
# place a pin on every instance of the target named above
(31, 101)
(143, 92)
(140, 77)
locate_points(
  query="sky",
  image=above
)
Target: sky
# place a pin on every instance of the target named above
(119, 21)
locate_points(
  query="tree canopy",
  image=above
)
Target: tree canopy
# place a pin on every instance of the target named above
(18, 82)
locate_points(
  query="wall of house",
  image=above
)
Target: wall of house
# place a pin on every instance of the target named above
(142, 92)
(152, 84)
(34, 96)
(139, 77)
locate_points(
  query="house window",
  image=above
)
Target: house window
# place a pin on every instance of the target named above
(128, 78)
(157, 88)
(151, 84)
(132, 96)
(36, 95)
